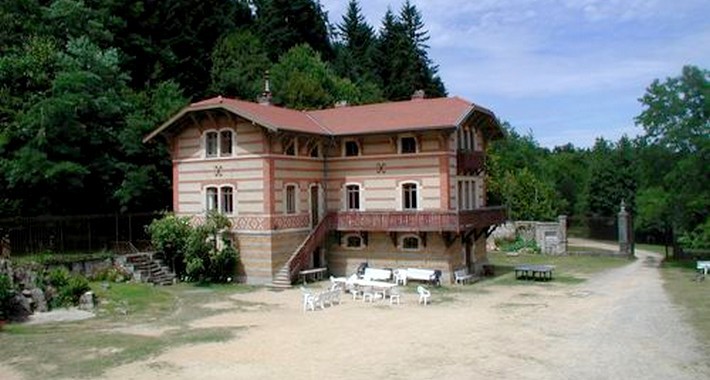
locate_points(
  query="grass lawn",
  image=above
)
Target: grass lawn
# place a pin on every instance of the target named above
(692, 296)
(158, 316)
(568, 269)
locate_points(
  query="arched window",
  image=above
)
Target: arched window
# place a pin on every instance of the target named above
(410, 196)
(219, 144)
(353, 241)
(407, 144)
(411, 243)
(219, 199)
(352, 197)
(352, 148)
(211, 147)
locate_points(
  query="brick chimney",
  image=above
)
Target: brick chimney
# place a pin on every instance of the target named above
(418, 95)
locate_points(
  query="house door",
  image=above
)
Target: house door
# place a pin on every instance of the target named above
(314, 206)
(467, 254)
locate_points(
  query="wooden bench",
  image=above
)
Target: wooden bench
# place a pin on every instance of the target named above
(461, 276)
(315, 273)
(377, 274)
(429, 275)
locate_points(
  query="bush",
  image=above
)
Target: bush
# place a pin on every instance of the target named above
(69, 288)
(6, 293)
(115, 273)
(169, 235)
(517, 244)
(208, 256)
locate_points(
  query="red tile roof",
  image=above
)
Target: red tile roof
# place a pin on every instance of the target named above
(420, 114)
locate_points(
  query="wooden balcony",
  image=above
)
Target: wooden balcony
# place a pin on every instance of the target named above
(470, 162)
(417, 221)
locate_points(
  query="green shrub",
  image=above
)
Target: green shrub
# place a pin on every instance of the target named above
(169, 235)
(6, 292)
(517, 244)
(69, 287)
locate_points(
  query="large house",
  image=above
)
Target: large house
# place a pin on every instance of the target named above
(396, 185)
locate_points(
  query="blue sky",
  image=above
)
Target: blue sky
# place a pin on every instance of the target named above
(567, 70)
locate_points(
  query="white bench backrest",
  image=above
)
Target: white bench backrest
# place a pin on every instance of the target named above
(377, 274)
(420, 274)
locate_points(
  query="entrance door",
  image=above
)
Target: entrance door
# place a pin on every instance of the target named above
(314, 206)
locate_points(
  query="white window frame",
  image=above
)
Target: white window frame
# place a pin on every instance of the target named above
(344, 242)
(218, 149)
(400, 196)
(357, 144)
(346, 198)
(466, 138)
(295, 198)
(219, 204)
(400, 145)
(410, 236)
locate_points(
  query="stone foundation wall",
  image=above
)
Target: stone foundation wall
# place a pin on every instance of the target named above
(380, 252)
(263, 254)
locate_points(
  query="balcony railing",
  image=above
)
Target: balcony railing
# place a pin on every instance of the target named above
(470, 162)
(412, 221)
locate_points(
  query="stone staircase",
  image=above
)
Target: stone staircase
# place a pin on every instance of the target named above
(147, 268)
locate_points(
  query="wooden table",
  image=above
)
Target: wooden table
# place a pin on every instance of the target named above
(534, 272)
(315, 273)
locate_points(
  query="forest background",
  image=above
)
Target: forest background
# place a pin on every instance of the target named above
(81, 82)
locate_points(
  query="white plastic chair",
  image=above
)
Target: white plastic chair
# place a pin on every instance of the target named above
(368, 292)
(424, 294)
(400, 277)
(394, 294)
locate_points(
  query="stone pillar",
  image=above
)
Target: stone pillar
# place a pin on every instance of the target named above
(562, 235)
(624, 231)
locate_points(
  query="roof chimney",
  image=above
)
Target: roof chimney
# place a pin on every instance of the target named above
(418, 95)
(265, 97)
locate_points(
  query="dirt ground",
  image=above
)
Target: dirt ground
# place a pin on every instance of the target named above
(619, 324)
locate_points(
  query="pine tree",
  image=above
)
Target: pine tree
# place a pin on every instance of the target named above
(358, 46)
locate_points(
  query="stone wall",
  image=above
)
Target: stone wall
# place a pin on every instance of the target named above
(551, 237)
(263, 254)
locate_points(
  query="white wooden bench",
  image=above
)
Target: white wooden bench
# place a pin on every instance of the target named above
(429, 275)
(461, 276)
(375, 274)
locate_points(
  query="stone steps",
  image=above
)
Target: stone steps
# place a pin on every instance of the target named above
(149, 269)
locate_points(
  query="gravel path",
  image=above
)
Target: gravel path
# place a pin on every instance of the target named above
(622, 326)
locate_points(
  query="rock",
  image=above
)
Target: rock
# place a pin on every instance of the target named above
(86, 302)
(40, 302)
(512, 254)
(20, 307)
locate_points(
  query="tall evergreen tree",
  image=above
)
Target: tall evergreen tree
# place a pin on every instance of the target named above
(239, 61)
(403, 59)
(356, 54)
(283, 24)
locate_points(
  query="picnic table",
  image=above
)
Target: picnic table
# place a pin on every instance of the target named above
(534, 272)
(316, 274)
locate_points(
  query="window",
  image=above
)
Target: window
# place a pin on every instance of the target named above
(211, 200)
(353, 241)
(408, 145)
(225, 143)
(219, 143)
(219, 199)
(227, 205)
(211, 144)
(351, 148)
(466, 138)
(467, 194)
(409, 196)
(315, 152)
(291, 199)
(352, 197)
(410, 243)
(290, 147)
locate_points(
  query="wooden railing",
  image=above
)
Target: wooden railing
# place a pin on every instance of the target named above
(470, 162)
(302, 255)
(412, 221)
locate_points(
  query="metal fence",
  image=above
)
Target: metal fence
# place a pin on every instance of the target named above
(63, 234)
